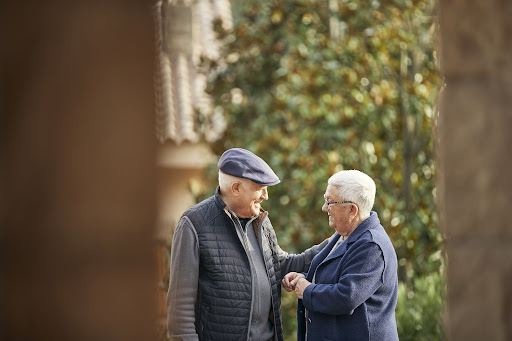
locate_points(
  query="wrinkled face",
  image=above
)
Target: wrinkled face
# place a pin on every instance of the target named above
(250, 195)
(339, 214)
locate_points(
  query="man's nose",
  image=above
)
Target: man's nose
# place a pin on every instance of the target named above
(325, 207)
(264, 194)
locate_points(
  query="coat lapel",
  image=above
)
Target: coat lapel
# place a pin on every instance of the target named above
(342, 249)
(320, 257)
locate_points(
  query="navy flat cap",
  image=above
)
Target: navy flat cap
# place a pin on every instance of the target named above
(244, 164)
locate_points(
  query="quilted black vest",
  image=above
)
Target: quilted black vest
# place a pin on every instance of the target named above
(223, 306)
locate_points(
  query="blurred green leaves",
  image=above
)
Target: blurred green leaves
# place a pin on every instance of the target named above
(419, 310)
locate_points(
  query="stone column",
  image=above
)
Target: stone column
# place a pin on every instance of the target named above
(77, 168)
(475, 143)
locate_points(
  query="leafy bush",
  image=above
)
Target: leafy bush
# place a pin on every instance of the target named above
(420, 308)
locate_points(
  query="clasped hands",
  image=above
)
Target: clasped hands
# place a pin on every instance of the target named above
(297, 282)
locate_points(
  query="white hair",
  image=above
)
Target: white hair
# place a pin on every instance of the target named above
(353, 185)
(226, 180)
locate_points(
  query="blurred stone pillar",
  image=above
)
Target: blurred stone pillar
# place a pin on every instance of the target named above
(475, 146)
(77, 171)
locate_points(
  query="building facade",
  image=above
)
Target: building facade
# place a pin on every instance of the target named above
(183, 35)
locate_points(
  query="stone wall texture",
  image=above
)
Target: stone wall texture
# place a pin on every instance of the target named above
(475, 159)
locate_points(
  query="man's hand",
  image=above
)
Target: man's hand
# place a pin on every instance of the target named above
(300, 285)
(290, 279)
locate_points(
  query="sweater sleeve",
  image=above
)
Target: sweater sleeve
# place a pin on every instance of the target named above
(298, 262)
(183, 283)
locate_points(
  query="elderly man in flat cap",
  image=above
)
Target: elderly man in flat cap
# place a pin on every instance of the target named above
(226, 264)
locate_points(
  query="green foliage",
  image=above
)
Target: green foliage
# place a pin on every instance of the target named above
(314, 87)
(420, 309)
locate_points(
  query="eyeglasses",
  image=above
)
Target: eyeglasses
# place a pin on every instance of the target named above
(329, 203)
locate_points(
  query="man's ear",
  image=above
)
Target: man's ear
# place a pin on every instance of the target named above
(235, 188)
(354, 209)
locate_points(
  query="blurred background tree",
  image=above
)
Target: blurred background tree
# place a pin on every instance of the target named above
(315, 87)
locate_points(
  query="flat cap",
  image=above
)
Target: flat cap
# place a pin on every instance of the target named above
(244, 164)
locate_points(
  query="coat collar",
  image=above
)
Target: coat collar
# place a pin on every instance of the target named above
(367, 224)
(218, 200)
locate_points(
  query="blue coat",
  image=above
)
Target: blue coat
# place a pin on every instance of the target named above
(355, 291)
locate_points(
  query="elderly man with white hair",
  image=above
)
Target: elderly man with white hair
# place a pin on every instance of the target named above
(350, 291)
